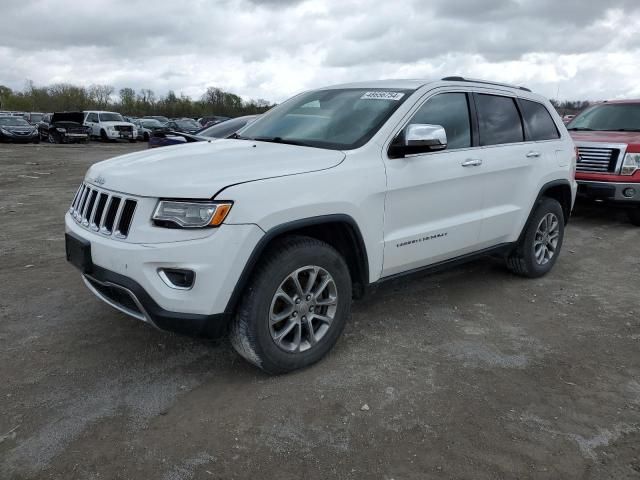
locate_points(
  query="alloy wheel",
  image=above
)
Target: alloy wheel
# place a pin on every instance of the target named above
(546, 239)
(303, 309)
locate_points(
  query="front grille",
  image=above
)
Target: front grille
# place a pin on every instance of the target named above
(124, 128)
(597, 159)
(102, 211)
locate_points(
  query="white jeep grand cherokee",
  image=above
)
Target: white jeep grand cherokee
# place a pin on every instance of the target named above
(269, 235)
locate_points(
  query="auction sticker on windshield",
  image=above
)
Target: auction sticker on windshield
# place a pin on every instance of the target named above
(382, 96)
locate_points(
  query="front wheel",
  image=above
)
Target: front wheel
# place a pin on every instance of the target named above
(634, 216)
(295, 306)
(540, 245)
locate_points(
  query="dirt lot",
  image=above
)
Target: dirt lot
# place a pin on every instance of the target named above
(472, 373)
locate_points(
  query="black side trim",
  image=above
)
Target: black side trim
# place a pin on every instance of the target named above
(363, 261)
(192, 324)
(501, 249)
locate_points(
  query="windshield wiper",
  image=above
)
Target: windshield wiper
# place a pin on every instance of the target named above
(581, 129)
(280, 140)
(627, 130)
(236, 136)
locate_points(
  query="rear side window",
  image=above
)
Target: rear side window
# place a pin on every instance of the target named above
(451, 111)
(498, 120)
(540, 125)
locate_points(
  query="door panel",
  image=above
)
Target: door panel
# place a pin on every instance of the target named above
(433, 209)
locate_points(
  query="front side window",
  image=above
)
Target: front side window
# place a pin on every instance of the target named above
(337, 119)
(540, 125)
(498, 120)
(451, 111)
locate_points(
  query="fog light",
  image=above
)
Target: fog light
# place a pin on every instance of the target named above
(177, 278)
(629, 192)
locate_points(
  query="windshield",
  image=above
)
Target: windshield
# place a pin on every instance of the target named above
(152, 123)
(111, 117)
(14, 122)
(608, 117)
(36, 117)
(224, 129)
(338, 119)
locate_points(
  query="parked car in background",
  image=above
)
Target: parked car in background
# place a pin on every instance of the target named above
(211, 120)
(109, 126)
(17, 129)
(184, 125)
(163, 138)
(226, 128)
(268, 236)
(146, 127)
(63, 127)
(608, 139)
(567, 118)
(33, 117)
(160, 118)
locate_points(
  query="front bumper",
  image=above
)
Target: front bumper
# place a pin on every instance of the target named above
(129, 297)
(120, 135)
(126, 275)
(614, 192)
(11, 137)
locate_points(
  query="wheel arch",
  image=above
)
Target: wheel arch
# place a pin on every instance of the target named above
(559, 190)
(338, 230)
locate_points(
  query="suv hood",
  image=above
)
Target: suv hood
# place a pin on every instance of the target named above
(200, 170)
(75, 117)
(606, 137)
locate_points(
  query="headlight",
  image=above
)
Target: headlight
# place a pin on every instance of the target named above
(631, 163)
(62, 130)
(5, 131)
(175, 213)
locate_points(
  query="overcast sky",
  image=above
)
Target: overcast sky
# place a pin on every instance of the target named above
(272, 49)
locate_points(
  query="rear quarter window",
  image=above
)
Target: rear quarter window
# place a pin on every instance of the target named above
(540, 125)
(498, 120)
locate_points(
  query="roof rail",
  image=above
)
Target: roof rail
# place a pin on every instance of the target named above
(474, 80)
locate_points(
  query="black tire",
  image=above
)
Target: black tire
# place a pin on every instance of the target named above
(522, 261)
(103, 136)
(133, 140)
(634, 216)
(53, 138)
(250, 329)
(145, 137)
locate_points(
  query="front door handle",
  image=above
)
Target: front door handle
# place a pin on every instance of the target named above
(533, 154)
(472, 162)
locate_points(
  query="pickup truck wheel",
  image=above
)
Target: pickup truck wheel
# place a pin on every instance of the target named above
(538, 250)
(634, 216)
(295, 306)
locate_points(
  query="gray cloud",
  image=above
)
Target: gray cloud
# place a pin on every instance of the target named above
(274, 48)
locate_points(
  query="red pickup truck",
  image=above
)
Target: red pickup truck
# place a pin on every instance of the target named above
(608, 168)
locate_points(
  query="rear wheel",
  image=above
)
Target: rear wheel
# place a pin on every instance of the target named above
(295, 306)
(634, 216)
(538, 250)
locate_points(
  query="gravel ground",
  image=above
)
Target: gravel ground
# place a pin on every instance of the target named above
(471, 373)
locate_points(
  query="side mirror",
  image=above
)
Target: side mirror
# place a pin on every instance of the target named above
(418, 138)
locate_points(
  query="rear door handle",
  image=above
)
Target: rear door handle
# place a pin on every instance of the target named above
(472, 162)
(533, 154)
